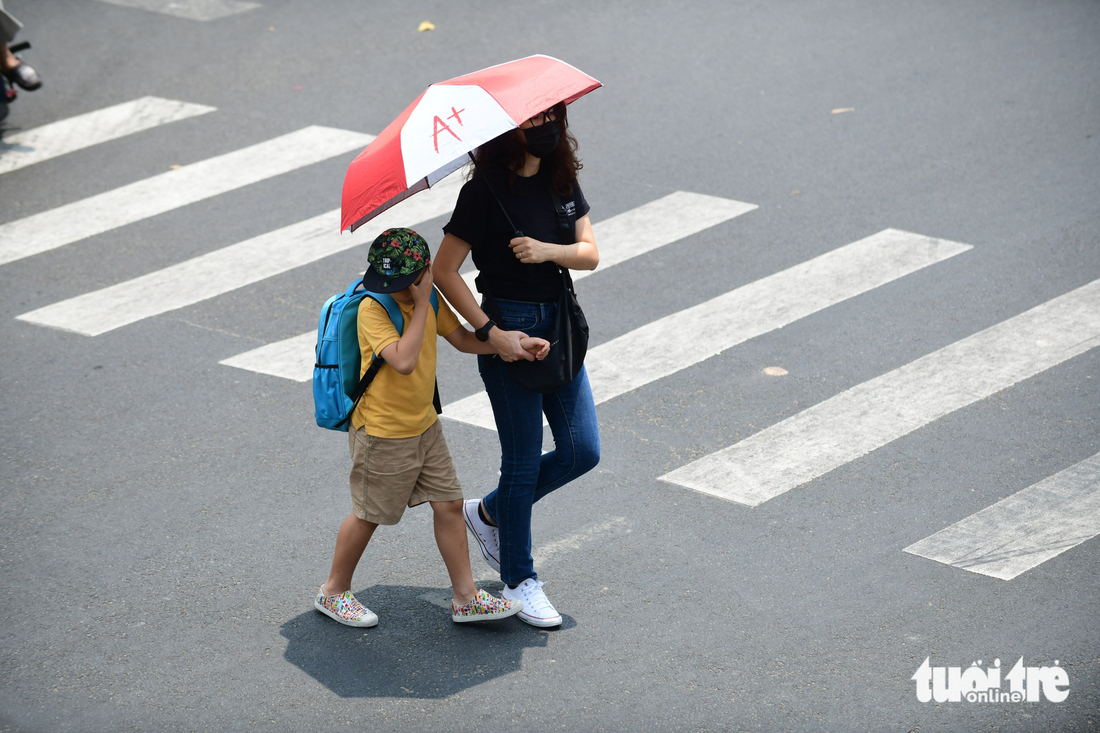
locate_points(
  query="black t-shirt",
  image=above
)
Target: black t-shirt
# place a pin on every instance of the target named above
(478, 220)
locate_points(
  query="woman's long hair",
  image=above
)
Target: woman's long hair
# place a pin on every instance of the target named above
(507, 152)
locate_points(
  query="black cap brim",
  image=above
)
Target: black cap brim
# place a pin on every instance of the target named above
(376, 283)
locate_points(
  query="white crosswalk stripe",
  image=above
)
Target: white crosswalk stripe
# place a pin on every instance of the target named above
(1025, 529)
(652, 226)
(874, 413)
(230, 268)
(673, 343)
(173, 189)
(22, 149)
(291, 358)
(203, 10)
(621, 238)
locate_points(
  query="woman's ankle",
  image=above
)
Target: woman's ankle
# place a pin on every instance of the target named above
(484, 515)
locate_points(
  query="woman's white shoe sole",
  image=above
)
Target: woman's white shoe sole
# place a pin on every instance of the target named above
(542, 623)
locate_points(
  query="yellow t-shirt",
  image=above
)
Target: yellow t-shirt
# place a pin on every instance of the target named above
(398, 405)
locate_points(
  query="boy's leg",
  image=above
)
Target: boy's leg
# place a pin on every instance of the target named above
(438, 484)
(468, 603)
(352, 539)
(450, 536)
(376, 498)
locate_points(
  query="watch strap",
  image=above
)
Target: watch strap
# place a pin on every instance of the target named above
(483, 332)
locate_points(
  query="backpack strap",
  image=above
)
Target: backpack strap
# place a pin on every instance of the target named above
(397, 318)
(434, 300)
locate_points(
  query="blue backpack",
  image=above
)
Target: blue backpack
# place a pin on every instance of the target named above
(337, 387)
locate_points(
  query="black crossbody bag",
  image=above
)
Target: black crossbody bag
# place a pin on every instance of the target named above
(568, 336)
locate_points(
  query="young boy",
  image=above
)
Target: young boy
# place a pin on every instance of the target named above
(399, 457)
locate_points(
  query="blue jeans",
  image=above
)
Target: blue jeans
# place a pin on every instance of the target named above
(526, 476)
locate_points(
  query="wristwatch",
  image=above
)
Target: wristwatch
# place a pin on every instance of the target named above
(483, 332)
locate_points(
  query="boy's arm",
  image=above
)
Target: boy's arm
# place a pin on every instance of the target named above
(403, 354)
(466, 342)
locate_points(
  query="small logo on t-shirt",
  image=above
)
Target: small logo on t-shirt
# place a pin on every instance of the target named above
(570, 208)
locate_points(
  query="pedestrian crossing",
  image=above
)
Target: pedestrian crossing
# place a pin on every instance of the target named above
(870, 415)
(621, 238)
(651, 226)
(84, 131)
(225, 270)
(173, 189)
(1024, 530)
(201, 10)
(1002, 541)
(677, 342)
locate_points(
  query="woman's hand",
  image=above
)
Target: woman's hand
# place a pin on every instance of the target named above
(509, 344)
(580, 255)
(531, 251)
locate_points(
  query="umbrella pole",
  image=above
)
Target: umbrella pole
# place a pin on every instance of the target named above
(503, 210)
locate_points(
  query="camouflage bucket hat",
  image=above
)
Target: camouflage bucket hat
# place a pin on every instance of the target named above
(395, 259)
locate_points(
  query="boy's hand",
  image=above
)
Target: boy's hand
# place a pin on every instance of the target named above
(537, 347)
(422, 291)
(507, 344)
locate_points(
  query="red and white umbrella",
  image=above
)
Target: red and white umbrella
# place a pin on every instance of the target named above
(433, 136)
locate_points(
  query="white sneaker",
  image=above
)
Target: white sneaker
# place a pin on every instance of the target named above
(537, 609)
(485, 534)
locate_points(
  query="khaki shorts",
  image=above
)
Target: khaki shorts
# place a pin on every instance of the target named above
(388, 474)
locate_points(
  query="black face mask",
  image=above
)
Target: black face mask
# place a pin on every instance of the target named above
(542, 139)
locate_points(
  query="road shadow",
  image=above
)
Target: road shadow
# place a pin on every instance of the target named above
(415, 650)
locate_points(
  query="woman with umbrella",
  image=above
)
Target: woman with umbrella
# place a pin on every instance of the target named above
(509, 190)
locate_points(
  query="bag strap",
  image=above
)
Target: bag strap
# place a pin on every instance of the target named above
(516, 232)
(565, 236)
(566, 233)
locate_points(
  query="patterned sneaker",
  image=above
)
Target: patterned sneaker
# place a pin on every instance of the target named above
(345, 608)
(484, 607)
(484, 534)
(537, 609)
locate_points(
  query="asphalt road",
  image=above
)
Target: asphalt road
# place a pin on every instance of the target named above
(165, 519)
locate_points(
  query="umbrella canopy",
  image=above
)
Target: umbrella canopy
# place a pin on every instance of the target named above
(433, 136)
